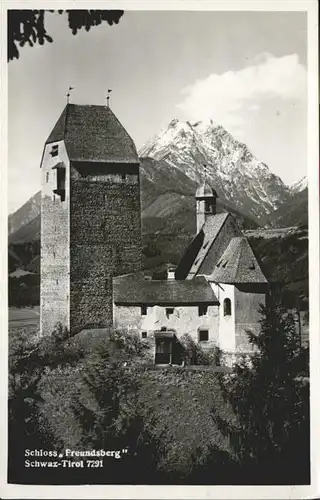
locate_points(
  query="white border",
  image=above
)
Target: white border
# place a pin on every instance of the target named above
(183, 492)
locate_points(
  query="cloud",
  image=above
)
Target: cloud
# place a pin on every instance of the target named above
(229, 97)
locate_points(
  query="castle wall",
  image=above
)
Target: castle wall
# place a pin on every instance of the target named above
(248, 299)
(55, 243)
(184, 320)
(105, 237)
(227, 328)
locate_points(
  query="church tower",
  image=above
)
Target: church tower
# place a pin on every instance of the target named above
(206, 198)
(90, 217)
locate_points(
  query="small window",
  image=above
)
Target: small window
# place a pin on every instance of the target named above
(144, 335)
(123, 177)
(169, 311)
(203, 335)
(227, 307)
(47, 176)
(143, 310)
(54, 150)
(57, 282)
(202, 310)
(61, 179)
(207, 206)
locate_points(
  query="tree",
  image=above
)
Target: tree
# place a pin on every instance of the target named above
(28, 26)
(270, 397)
(78, 392)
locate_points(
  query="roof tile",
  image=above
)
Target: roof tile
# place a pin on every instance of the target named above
(211, 230)
(238, 264)
(93, 133)
(133, 289)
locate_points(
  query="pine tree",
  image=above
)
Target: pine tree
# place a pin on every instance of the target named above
(270, 398)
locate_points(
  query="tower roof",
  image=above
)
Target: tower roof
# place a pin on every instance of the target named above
(206, 191)
(93, 133)
(238, 264)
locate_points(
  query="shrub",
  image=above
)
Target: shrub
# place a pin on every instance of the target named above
(270, 441)
(194, 354)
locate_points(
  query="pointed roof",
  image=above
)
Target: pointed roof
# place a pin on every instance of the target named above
(238, 264)
(93, 133)
(206, 191)
(200, 246)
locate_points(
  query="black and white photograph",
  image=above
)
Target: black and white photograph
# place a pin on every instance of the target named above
(160, 300)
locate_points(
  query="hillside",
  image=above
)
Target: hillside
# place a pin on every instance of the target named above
(25, 214)
(293, 212)
(284, 258)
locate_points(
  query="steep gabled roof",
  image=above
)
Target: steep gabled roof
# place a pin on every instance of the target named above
(93, 133)
(133, 289)
(200, 246)
(238, 264)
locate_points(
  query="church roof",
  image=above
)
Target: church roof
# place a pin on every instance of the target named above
(200, 246)
(133, 289)
(93, 133)
(238, 264)
(206, 191)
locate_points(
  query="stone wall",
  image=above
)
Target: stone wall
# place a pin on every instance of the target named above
(184, 320)
(105, 239)
(248, 299)
(54, 254)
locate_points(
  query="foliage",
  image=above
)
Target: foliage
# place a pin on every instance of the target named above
(270, 396)
(28, 26)
(66, 393)
(24, 291)
(194, 354)
(285, 260)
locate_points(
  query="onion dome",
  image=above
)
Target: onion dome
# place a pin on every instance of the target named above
(206, 191)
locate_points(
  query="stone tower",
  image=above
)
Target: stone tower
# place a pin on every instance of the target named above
(206, 198)
(90, 217)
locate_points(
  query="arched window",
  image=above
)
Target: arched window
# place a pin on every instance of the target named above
(227, 307)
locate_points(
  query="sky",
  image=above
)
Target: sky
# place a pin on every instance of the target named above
(245, 70)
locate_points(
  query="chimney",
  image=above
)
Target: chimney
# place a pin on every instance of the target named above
(171, 273)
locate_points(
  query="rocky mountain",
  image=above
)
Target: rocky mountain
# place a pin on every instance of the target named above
(167, 202)
(299, 186)
(293, 212)
(25, 214)
(239, 178)
(172, 167)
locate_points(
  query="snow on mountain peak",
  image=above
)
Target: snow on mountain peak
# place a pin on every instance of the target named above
(231, 167)
(300, 185)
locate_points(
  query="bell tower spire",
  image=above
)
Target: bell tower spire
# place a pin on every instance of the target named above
(206, 198)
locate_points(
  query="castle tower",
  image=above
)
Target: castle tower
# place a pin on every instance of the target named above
(206, 198)
(90, 217)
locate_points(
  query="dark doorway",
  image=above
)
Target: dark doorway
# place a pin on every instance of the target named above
(163, 351)
(168, 348)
